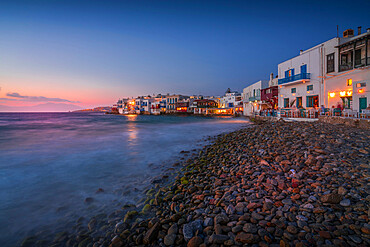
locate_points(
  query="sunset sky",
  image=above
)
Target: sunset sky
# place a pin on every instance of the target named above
(90, 53)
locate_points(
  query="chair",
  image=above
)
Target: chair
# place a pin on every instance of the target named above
(365, 113)
(303, 113)
(337, 112)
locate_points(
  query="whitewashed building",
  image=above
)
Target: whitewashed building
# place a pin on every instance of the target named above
(301, 79)
(230, 99)
(252, 97)
(349, 85)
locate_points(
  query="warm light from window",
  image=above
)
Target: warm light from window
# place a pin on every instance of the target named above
(349, 82)
(342, 93)
(349, 93)
(308, 91)
(293, 94)
(332, 95)
(361, 90)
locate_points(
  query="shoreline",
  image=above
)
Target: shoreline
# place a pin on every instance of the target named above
(239, 190)
(89, 229)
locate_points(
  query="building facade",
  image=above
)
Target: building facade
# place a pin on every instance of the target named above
(348, 87)
(171, 101)
(252, 97)
(301, 79)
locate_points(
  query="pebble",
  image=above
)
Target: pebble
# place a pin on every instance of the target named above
(240, 190)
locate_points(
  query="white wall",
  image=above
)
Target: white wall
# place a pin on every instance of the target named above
(250, 107)
(338, 83)
(315, 58)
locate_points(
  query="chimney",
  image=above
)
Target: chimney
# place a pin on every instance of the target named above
(271, 76)
(300, 52)
(359, 30)
(348, 33)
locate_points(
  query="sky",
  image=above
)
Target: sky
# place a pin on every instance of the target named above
(91, 53)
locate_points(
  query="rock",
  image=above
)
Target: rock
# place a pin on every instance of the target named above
(345, 203)
(169, 239)
(230, 209)
(173, 229)
(190, 228)
(89, 200)
(331, 198)
(239, 207)
(257, 216)
(100, 190)
(208, 222)
(246, 238)
(116, 242)
(292, 229)
(92, 224)
(151, 235)
(221, 219)
(301, 218)
(325, 234)
(250, 228)
(218, 239)
(195, 242)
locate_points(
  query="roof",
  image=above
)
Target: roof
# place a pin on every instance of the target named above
(353, 39)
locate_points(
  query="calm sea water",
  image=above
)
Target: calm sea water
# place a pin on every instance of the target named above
(51, 162)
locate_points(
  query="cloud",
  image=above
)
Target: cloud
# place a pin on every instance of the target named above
(18, 97)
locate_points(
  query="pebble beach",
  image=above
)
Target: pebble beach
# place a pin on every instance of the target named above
(270, 184)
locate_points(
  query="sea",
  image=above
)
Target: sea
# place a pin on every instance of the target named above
(51, 162)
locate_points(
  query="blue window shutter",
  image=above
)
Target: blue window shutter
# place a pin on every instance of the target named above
(292, 72)
(286, 74)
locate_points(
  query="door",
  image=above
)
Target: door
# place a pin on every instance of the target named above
(304, 69)
(357, 57)
(363, 103)
(299, 102)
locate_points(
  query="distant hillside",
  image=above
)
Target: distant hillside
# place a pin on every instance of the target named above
(97, 109)
(47, 107)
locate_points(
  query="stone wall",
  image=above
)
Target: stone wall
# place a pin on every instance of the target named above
(362, 123)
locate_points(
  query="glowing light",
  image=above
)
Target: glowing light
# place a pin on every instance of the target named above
(332, 95)
(294, 94)
(255, 104)
(342, 93)
(361, 90)
(281, 95)
(308, 91)
(349, 93)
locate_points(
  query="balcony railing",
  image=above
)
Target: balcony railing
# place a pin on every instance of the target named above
(296, 77)
(360, 62)
(254, 98)
(345, 66)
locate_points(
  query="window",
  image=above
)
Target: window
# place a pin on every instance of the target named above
(309, 87)
(286, 102)
(312, 101)
(349, 82)
(330, 63)
(361, 84)
(293, 90)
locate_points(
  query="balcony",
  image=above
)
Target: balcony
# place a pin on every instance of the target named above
(254, 98)
(297, 77)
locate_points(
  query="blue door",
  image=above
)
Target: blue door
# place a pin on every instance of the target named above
(363, 103)
(304, 69)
